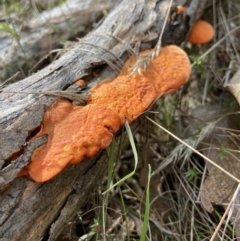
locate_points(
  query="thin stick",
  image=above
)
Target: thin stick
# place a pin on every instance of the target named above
(104, 49)
(9, 79)
(224, 215)
(71, 95)
(159, 43)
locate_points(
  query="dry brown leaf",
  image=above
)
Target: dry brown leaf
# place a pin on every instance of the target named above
(234, 86)
(221, 146)
(218, 187)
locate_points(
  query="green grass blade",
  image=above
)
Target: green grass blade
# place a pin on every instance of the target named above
(110, 166)
(147, 208)
(130, 136)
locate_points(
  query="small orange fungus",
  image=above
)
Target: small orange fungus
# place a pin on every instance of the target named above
(202, 32)
(80, 82)
(180, 9)
(76, 132)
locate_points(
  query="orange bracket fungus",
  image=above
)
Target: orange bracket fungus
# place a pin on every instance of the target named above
(202, 32)
(76, 132)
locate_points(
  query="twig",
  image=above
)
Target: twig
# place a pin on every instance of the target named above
(225, 213)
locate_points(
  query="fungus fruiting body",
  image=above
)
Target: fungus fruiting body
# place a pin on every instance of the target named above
(180, 9)
(76, 132)
(80, 82)
(202, 32)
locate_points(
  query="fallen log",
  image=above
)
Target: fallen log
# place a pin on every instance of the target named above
(28, 210)
(44, 32)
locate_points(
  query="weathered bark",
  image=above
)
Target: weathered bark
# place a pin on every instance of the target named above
(46, 32)
(29, 210)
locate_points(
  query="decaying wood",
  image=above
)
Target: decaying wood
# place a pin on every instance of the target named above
(45, 32)
(28, 210)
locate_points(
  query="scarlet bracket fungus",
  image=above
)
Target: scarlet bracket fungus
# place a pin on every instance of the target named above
(202, 32)
(76, 132)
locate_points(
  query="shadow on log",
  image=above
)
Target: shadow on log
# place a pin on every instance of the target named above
(30, 211)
